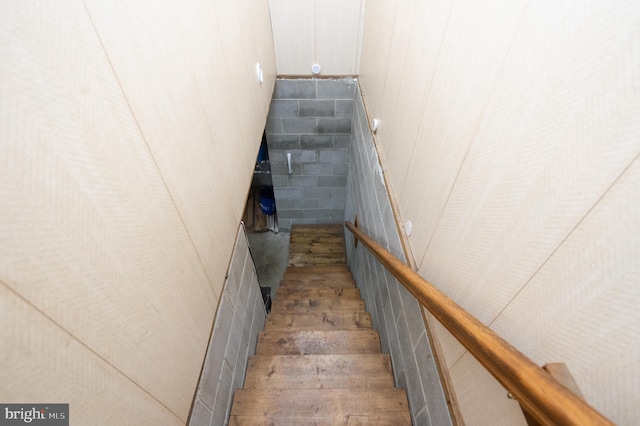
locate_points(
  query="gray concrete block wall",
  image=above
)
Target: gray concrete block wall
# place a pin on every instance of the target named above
(312, 120)
(241, 315)
(394, 311)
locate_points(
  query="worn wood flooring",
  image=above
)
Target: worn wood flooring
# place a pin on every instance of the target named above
(318, 361)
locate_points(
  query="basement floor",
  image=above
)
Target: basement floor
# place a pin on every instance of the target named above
(270, 253)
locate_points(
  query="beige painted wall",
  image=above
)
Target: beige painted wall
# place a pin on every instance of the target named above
(511, 137)
(324, 32)
(127, 141)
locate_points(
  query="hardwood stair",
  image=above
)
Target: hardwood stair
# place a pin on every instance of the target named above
(318, 361)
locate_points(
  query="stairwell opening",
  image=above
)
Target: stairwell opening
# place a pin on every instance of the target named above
(268, 245)
(324, 169)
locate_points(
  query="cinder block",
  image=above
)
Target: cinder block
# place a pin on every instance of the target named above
(243, 356)
(338, 192)
(343, 141)
(302, 181)
(281, 168)
(235, 337)
(232, 286)
(298, 125)
(280, 181)
(400, 378)
(334, 156)
(332, 203)
(394, 346)
(222, 404)
(316, 141)
(434, 393)
(324, 214)
(215, 355)
(283, 141)
(305, 221)
(290, 214)
(317, 169)
(295, 89)
(344, 108)
(343, 88)
(330, 216)
(316, 108)
(421, 417)
(283, 108)
(303, 156)
(201, 414)
(304, 204)
(340, 169)
(259, 317)
(274, 125)
(316, 193)
(392, 285)
(284, 204)
(335, 181)
(287, 194)
(414, 387)
(381, 326)
(413, 314)
(330, 125)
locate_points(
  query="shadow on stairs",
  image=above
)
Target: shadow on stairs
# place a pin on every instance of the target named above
(318, 361)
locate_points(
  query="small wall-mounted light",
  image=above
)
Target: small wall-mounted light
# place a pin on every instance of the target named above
(407, 228)
(315, 69)
(375, 124)
(259, 73)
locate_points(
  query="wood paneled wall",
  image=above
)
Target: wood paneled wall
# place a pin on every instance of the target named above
(128, 137)
(324, 32)
(511, 137)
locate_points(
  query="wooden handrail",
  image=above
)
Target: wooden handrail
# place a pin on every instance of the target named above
(543, 397)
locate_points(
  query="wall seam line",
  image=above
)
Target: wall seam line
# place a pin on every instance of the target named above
(86, 346)
(480, 121)
(569, 234)
(142, 135)
(424, 108)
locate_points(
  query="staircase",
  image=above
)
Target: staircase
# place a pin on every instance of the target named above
(318, 362)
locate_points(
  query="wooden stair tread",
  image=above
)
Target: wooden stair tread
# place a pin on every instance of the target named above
(326, 304)
(323, 269)
(316, 248)
(317, 227)
(319, 321)
(359, 371)
(292, 284)
(318, 361)
(318, 402)
(299, 259)
(333, 276)
(301, 342)
(395, 419)
(316, 293)
(308, 239)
